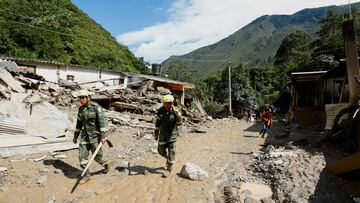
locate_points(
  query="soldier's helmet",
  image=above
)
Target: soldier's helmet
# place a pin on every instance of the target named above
(83, 93)
(168, 98)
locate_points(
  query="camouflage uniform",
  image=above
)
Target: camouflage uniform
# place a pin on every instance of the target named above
(91, 124)
(166, 127)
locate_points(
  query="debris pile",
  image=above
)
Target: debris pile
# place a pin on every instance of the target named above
(293, 174)
(34, 104)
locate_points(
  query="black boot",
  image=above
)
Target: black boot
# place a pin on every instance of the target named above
(107, 167)
(169, 168)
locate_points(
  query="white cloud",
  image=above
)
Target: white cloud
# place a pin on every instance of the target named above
(197, 23)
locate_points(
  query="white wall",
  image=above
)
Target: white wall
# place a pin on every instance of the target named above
(110, 75)
(51, 72)
(48, 71)
(81, 75)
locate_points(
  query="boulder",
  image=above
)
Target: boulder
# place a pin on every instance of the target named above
(193, 172)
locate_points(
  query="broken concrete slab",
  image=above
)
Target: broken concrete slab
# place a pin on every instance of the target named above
(6, 77)
(12, 140)
(36, 148)
(10, 66)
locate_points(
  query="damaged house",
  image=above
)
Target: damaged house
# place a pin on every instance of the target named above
(32, 91)
(328, 101)
(89, 77)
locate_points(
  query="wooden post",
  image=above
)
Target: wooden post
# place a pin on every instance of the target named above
(230, 109)
(352, 62)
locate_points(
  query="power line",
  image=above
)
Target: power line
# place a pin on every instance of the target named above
(207, 54)
(67, 28)
(64, 34)
(188, 59)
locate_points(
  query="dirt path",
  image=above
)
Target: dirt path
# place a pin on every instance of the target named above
(223, 147)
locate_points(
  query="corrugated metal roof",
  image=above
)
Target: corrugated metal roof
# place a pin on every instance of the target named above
(309, 73)
(19, 60)
(150, 77)
(10, 66)
(11, 125)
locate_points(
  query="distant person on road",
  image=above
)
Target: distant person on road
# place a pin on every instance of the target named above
(248, 115)
(266, 121)
(90, 126)
(166, 131)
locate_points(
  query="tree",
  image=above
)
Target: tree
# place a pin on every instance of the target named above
(330, 33)
(241, 93)
(294, 49)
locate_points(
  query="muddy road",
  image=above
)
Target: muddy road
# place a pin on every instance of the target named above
(223, 147)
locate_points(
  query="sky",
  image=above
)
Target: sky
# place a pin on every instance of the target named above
(158, 29)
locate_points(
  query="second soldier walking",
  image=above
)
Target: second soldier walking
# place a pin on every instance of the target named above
(166, 131)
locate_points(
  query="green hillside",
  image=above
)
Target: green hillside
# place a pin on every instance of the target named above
(254, 45)
(57, 30)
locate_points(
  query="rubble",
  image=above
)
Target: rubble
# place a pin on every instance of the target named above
(254, 192)
(24, 114)
(7, 79)
(285, 173)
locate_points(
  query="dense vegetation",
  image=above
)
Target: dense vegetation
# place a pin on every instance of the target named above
(57, 30)
(270, 85)
(256, 44)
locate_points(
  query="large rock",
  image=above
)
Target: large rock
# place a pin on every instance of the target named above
(193, 172)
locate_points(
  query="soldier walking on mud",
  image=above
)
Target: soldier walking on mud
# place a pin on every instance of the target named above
(91, 126)
(166, 131)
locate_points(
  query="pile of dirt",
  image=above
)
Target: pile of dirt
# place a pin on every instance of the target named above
(297, 175)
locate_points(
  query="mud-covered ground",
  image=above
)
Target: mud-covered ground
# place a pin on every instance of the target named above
(231, 151)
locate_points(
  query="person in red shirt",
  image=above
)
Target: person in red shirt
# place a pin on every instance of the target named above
(266, 121)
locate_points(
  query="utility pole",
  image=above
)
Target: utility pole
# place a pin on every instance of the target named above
(350, 12)
(230, 109)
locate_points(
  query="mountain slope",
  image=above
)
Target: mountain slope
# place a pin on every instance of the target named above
(253, 45)
(57, 30)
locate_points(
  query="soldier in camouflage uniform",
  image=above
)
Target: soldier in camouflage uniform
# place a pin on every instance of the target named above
(166, 131)
(91, 126)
